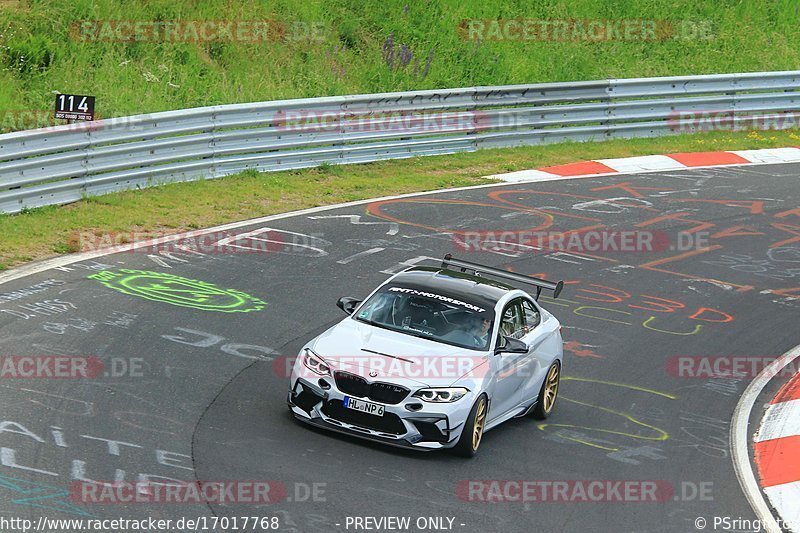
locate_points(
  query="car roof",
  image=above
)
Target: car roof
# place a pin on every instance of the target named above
(455, 284)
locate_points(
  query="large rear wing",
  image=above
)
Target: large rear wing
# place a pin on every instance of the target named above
(540, 284)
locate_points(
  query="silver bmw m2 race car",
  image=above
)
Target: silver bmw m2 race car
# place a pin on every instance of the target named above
(433, 358)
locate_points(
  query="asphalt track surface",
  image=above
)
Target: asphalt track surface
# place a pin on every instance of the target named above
(210, 394)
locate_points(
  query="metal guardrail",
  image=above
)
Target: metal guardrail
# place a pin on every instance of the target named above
(66, 163)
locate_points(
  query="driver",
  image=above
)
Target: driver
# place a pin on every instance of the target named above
(480, 330)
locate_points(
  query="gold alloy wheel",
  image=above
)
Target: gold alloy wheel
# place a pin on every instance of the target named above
(551, 388)
(480, 421)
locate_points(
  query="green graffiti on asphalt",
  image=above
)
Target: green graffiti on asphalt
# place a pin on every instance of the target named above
(177, 290)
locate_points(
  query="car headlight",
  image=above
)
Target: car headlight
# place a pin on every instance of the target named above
(441, 394)
(315, 363)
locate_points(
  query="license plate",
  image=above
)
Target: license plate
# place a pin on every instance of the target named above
(364, 407)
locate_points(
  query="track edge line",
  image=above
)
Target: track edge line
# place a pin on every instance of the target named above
(739, 441)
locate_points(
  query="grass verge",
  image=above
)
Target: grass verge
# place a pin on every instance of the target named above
(48, 231)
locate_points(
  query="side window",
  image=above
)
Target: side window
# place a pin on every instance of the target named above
(532, 316)
(513, 322)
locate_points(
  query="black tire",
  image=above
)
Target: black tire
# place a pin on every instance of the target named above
(544, 405)
(465, 446)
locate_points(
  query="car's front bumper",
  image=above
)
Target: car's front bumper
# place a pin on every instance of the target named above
(411, 423)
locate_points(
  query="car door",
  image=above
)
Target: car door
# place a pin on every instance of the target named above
(533, 336)
(511, 370)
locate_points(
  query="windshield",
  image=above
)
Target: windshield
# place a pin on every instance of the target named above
(429, 315)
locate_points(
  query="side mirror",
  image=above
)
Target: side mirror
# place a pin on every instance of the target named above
(511, 345)
(347, 304)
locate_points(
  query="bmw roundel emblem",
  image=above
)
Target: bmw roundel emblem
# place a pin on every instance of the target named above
(373, 373)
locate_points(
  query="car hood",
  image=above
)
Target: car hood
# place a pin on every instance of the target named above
(379, 354)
